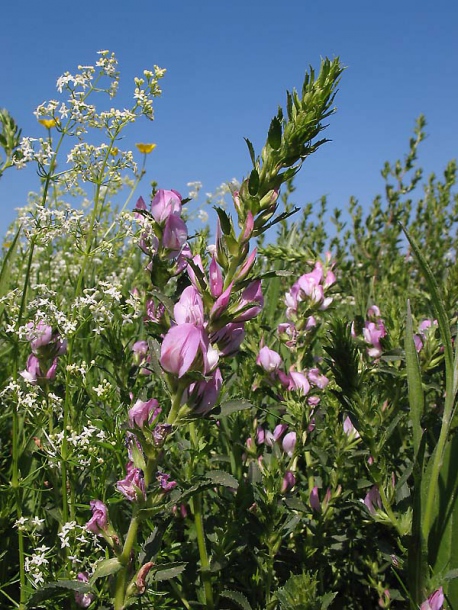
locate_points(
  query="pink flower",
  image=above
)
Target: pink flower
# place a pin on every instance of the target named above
(99, 520)
(140, 349)
(229, 338)
(289, 481)
(268, 359)
(133, 485)
(190, 308)
(373, 501)
(372, 333)
(250, 303)
(349, 428)
(39, 335)
(278, 432)
(83, 600)
(435, 601)
(143, 412)
(202, 395)
(175, 234)
(215, 278)
(164, 483)
(160, 433)
(298, 381)
(165, 204)
(186, 348)
(314, 500)
(289, 443)
(317, 379)
(34, 373)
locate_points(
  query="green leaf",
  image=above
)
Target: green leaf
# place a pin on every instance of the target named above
(105, 568)
(416, 396)
(251, 151)
(220, 477)
(274, 136)
(253, 182)
(53, 589)
(238, 598)
(168, 571)
(4, 271)
(232, 406)
(224, 220)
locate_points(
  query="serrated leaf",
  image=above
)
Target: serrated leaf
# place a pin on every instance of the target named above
(105, 568)
(220, 477)
(253, 183)
(56, 588)
(232, 406)
(238, 598)
(168, 571)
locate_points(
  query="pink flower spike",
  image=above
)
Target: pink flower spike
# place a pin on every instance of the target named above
(435, 601)
(268, 359)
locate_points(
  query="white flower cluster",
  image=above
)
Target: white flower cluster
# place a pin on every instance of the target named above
(33, 149)
(36, 565)
(78, 541)
(98, 164)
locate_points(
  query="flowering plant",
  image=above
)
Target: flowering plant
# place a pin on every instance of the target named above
(225, 424)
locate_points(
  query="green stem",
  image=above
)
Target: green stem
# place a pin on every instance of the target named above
(199, 523)
(204, 561)
(15, 484)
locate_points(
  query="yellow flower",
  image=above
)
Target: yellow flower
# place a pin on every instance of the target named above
(48, 123)
(114, 151)
(145, 148)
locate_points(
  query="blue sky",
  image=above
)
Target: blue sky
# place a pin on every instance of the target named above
(228, 66)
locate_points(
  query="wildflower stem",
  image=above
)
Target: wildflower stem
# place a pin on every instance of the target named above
(199, 523)
(124, 558)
